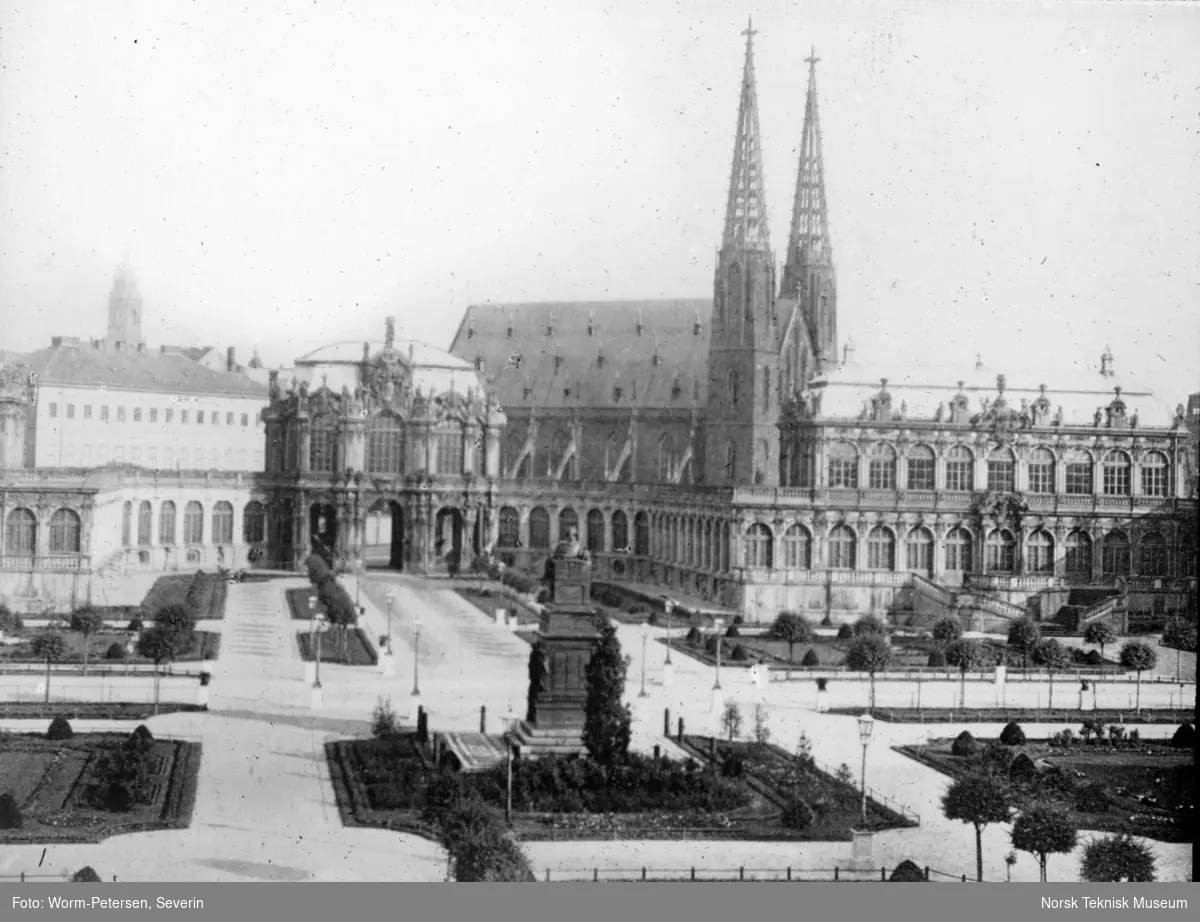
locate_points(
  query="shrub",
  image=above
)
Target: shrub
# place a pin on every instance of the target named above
(1063, 738)
(1093, 658)
(1023, 767)
(694, 636)
(738, 619)
(797, 815)
(811, 658)
(606, 727)
(1092, 798)
(115, 651)
(10, 620)
(1117, 858)
(654, 619)
(86, 876)
(1012, 735)
(10, 812)
(134, 626)
(118, 798)
(732, 631)
(869, 624)
(384, 723)
(845, 632)
(965, 745)
(142, 736)
(907, 872)
(733, 766)
(827, 621)
(1185, 737)
(710, 643)
(822, 684)
(739, 653)
(59, 729)
(937, 659)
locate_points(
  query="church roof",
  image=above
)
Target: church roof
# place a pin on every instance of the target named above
(132, 369)
(591, 354)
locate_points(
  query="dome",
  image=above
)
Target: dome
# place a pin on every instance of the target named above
(432, 370)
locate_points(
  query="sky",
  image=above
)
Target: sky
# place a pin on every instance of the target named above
(1011, 179)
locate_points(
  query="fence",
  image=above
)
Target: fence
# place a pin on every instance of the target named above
(102, 668)
(788, 874)
(176, 690)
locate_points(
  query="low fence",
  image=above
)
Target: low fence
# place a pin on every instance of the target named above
(177, 689)
(106, 668)
(788, 874)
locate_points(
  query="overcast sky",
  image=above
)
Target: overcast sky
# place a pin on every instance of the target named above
(1005, 178)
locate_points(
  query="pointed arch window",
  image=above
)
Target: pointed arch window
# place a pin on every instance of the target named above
(145, 514)
(595, 531)
(766, 384)
(797, 548)
(1155, 481)
(1041, 471)
(1039, 553)
(1114, 554)
(322, 446)
(510, 528)
(666, 459)
(759, 547)
(959, 547)
(620, 531)
(1078, 556)
(193, 523)
(385, 445)
(730, 461)
(641, 534)
(842, 546)
(1152, 555)
(20, 534)
(166, 523)
(539, 528)
(918, 551)
(254, 523)
(921, 465)
(881, 549)
(843, 466)
(960, 469)
(127, 524)
(64, 532)
(1000, 551)
(881, 467)
(1116, 474)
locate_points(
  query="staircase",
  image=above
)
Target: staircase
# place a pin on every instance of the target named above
(932, 601)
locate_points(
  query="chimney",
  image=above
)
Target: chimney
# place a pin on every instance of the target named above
(230, 359)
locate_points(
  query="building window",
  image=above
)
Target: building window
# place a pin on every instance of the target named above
(1115, 554)
(68, 455)
(229, 419)
(70, 411)
(104, 413)
(120, 414)
(841, 548)
(212, 458)
(881, 467)
(1078, 556)
(666, 459)
(620, 531)
(595, 531)
(153, 415)
(143, 534)
(222, 523)
(183, 416)
(960, 469)
(20, 534)
(169, 414)
(758, 546)
(1154, 474)
(322, 445)
(135, 454)
(918, 551)
(1000, 551)
(54, 411)
(385, 446)
(193, 523)
(450, 446)
(199, 417)
(242, 457)
(881, 549)
(958, 550)
(229, 456)
(1041, 472)
(1001, 471)
(119, 453)
(1152, 555)
(254, 523)
(567, 520)
(1079, 478)
(1187, 557)
(64, 532)
(168, 458)
(1039, 553)
(245, 419)
(166, 524)
(215, 417)
(510, 528)
(152, 458)
(843, 466)
(1116, 474)
(797, 548)
(137, 414)
(127, 524)
(85, 457)
(921, 465)
(87, 411)
(641, 534)
(539, 528)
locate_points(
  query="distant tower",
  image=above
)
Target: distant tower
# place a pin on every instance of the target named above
(808, 272)
(741, 437)
(125, 309)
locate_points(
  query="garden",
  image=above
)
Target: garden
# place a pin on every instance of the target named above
(62, 787)
(109, 647)
(343, 641)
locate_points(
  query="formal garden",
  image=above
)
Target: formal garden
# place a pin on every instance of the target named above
(342, 641)
(60, 787)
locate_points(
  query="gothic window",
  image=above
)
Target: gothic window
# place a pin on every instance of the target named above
(385, 445)
(1116, 474)
(510, 528)
(797, 548)
(1079, 474)
(595, 531)
(126, 524)
(193, 523)
(449, 455)
(166, 523)
(620, 530)
(64, 532)
(1154, 474)
(732, 388)
(1041, 471)
(611, 454)
(730, 461)
(921, 463)
(666, 459)
(567, 519)
(881, 549)
(758, 546)
(1114, 554)
(254, 523)
(881, 467)
(641, 534)
(1039, 553)
(222, 523)
(843, 466)
(841, 548)
(958, 550)
(1001, 471)
(539, 528)
(1078, 556)
(322, 447)
(20, 539)
(145, 514)
(960, 469)
(1187, 557)
(1152, 555)
(1000, 551)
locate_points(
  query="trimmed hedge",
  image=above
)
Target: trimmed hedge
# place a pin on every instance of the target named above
(1185, 737)
(59, 729)
(965, 744)
(1012, 735)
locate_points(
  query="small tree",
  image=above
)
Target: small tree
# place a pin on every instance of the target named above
(1044, 831)
(159, 644)
(869, 653)
(1099, 634)
(947, 630)
(50, 647)
(480, 848)
(762, 732)
(606, 722)
(1117, 859)
(1139, 657)
(86, 621)
(1023, 634)
(1054, 656)
(731, 720)
(384, 723)
(965, 655)
(791, 629)
(869, 625)
(1179, 635)
(845, 632)
(810, 658)
(978, 798)
(86, 875)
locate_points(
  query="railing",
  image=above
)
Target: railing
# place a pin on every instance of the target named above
(55, 563)
(102, 667)
(598, 874)
(1013, 583)
(1100, 610)
(928, 587)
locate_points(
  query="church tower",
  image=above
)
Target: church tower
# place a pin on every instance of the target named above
(809, 279)
(741, 437)
(125, 309)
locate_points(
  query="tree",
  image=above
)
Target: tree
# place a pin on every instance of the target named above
(178, 622)
(1117, 859)
(159, 644)
(869, 625)
(791, 629)
(1179, 635)
(50, 647)
(1024, 635)
(1054, 656)
(339, 609)
(966, 655)
(1099, 634)
(870, 654)
(1139, 657)
(480, 848)
(762, 732)
(606, 722)
(731, 720)
(1044, 831)
(947, 630)
(86, 621)
(978, 798)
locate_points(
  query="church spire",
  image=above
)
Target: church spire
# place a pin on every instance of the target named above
(746, 212)
(125, 307)
(808, 239)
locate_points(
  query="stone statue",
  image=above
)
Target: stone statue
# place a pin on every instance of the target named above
(1178, 416)
(273, 385)
(539, 679)
(941, 413)
(904, 409)
(1133, 422)
(1098, 416)
(570, 546)
(1058, 416)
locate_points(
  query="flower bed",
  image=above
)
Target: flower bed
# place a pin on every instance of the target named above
(359, 649)
(206, 596)
(171, 589)
(204, 645)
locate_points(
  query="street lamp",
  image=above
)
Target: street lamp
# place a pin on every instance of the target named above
(669, 605)
(317, 674)
(416, 691)
(358, 570)
(645, 637)
(391, 603)
(718, 623)
(866, 724)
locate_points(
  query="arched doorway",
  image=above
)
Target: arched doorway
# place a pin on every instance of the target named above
(396, 554)
(448, 537)
(323, 530)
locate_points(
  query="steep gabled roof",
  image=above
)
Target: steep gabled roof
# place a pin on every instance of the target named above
(575, 354)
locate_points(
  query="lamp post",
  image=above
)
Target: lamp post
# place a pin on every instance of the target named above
(416, 689)
(645, 637)
(386, 663)
(318, 694)
(511, 719)
(358, 572)
(719, 624)
(669, 605)
(866, 725)
(310, 667)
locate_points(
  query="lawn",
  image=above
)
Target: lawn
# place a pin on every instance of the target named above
(52, 782)
(359, 650)
(205, 645)
(1148, 788)
(488, 600)
(201, 593)
(1021, 715)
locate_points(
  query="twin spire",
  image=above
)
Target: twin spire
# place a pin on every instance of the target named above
(808, 240)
